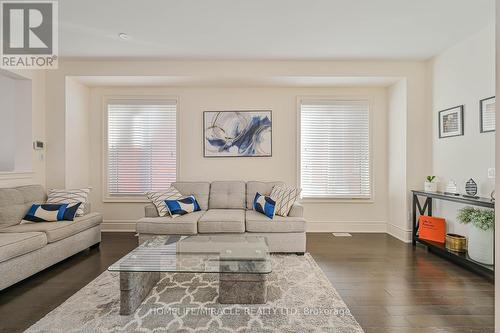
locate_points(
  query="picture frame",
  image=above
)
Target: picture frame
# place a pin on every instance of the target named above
(238, 133)
(451, 122)
(487, 115)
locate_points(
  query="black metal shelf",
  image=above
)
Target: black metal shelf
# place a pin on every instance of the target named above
(482, 202)
(459, 258)
(440, 249)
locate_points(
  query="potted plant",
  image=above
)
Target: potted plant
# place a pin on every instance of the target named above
(480, 223)
(430, 185)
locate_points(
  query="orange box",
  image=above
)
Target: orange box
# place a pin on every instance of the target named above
(432, 229)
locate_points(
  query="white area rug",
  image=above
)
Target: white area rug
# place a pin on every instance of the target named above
(300, 299)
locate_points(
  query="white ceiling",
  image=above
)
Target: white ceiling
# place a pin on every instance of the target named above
(268, 29)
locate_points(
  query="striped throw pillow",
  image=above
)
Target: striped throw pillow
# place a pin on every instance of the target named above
(71, 196)
(158, 199)
(284, 196)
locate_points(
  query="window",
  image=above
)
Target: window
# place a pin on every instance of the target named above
(141, 146)
(335, 149)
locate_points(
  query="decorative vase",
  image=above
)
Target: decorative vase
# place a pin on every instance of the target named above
(480, 245)
(430, 187)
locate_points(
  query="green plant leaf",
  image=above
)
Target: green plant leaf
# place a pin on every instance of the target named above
(483, 219)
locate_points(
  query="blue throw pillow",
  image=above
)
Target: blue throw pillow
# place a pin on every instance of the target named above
(51, 212)
(264, 205)
(182, 206)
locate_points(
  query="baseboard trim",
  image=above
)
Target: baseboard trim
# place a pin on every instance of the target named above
(347, 226)
(396, 231)
(118, 226)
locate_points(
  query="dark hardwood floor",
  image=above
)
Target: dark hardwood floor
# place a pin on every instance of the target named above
(388, 286)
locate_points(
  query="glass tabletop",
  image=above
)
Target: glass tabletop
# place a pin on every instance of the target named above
(198, 254)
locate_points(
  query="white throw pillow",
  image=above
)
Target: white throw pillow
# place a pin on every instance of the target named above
(284, 196)
(71, 196)
(158, 199)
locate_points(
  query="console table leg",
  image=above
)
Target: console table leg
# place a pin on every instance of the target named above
(414, 221)
(134, 287)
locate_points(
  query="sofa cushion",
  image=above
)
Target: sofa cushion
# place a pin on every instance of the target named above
(181, 225)
(200, 190)
(58, 230)
(222, 220)
(257, 222)
(15, 202)
(263, 188)
(16, 244)
(227, 195)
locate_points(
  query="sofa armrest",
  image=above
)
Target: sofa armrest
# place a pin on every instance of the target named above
(150, 211)
(297, 210)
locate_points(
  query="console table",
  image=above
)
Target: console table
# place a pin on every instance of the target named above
(440, 249)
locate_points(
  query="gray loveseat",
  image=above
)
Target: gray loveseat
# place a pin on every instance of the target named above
(26, 249)
(227, 207)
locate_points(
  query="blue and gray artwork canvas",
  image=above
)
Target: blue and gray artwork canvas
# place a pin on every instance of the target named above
(237, 133)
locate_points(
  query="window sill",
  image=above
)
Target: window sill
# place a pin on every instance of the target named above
(9, 175)
(125, 200)
(337, 200)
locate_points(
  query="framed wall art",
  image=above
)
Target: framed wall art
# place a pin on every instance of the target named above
(487, 114)
(451, 122)
(237, 133)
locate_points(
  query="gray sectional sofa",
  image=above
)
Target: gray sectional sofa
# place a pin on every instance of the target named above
(227, 207)
(26, 249)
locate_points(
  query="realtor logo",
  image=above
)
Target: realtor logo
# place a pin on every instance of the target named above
(29, 34)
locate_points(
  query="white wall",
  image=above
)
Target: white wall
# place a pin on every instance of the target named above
(281, 166)
(419, 143)
(33, 170)
(7, 125)
(398, 224)
(464, 74)
(15, 127)
(77, 135)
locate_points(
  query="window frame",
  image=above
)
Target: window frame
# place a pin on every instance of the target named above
(106, 197)
(337, 98)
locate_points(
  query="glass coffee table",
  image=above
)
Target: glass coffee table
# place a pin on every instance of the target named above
(241, 261)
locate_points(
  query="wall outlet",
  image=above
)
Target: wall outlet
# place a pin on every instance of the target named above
(38, 145)
(491, 173)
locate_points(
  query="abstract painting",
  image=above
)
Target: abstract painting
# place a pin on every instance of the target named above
(237, 133)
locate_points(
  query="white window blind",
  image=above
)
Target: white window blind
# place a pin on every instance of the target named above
(335, 149)
(141, 146)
